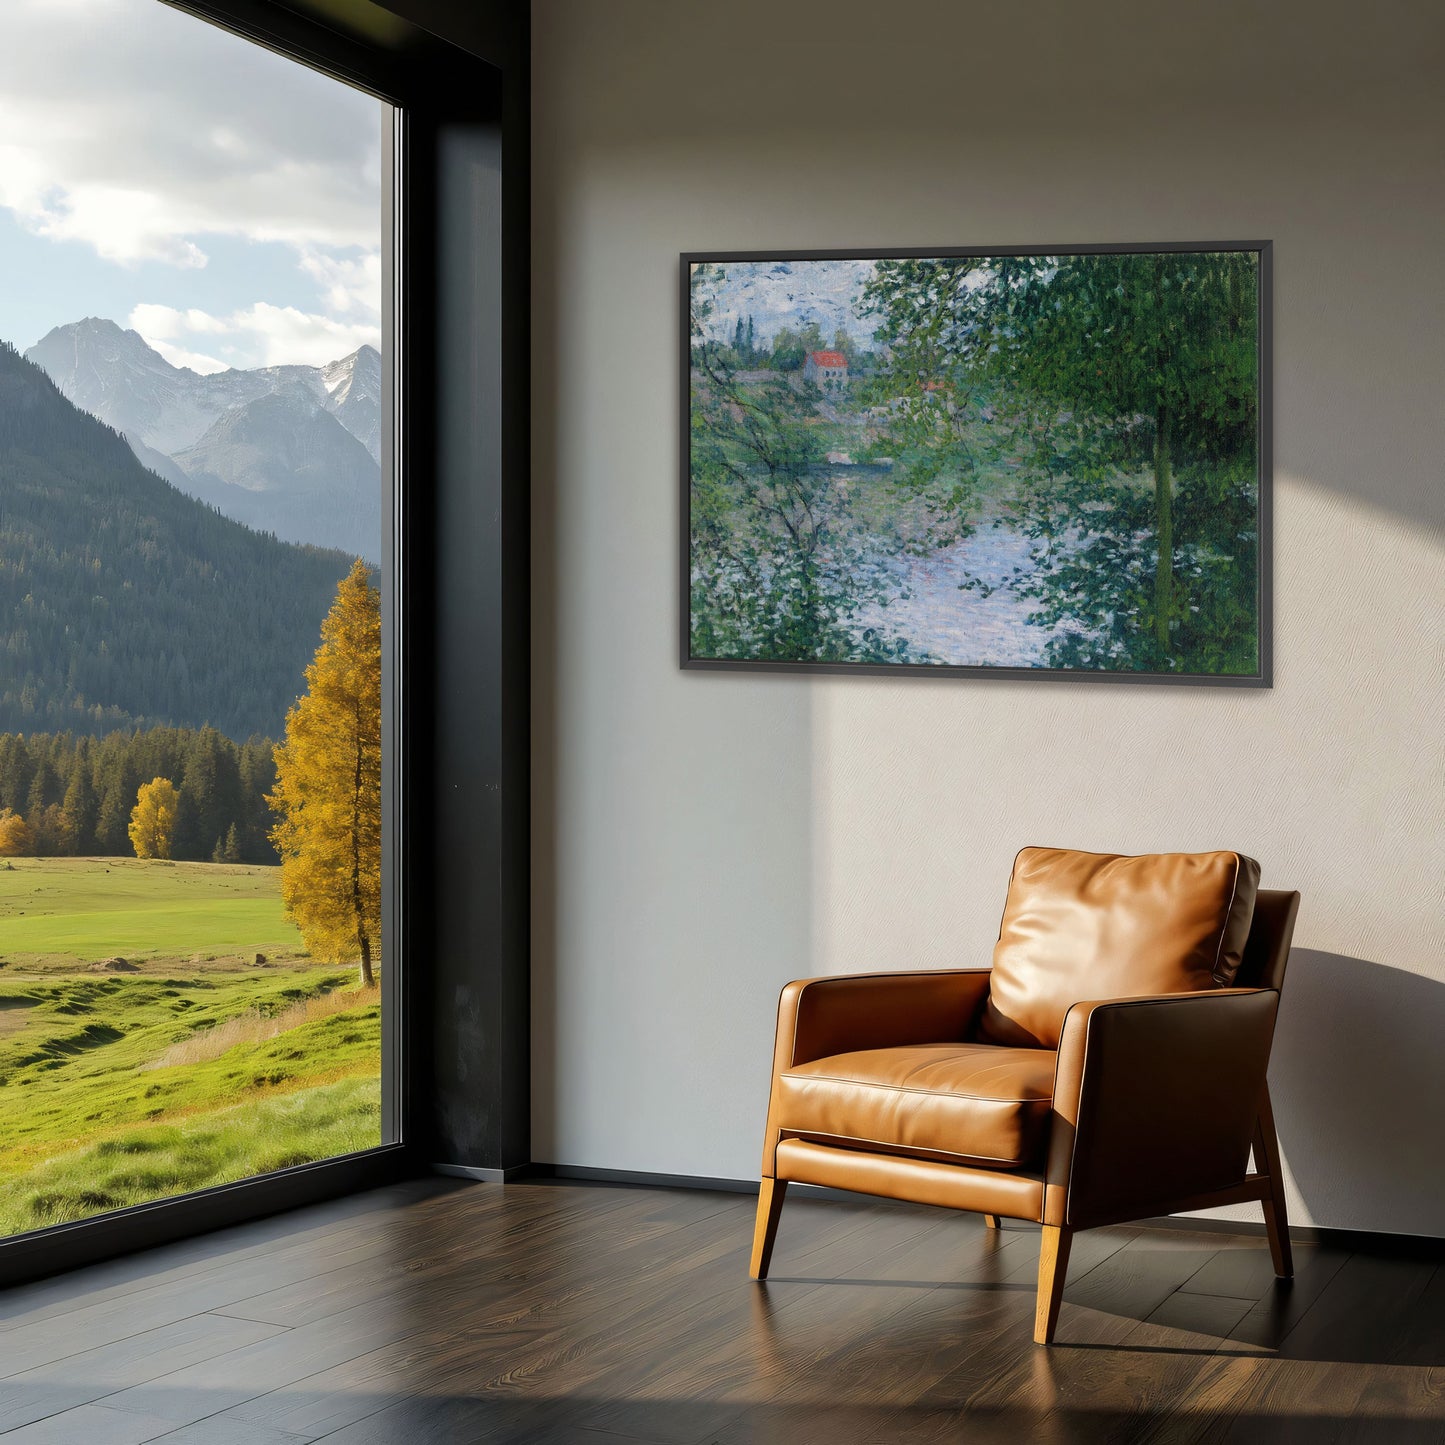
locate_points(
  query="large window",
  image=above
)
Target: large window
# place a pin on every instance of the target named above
(193, 556)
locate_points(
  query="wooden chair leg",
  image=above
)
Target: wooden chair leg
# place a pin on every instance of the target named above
(991, 1221)
(1266, 1160)
(1053, 1266)
(765, 1230)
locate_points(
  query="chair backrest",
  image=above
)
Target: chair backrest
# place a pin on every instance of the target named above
(1080, 925)
(1266, 950)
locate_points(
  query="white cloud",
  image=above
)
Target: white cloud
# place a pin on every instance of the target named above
(192, 360)
(150, 137)
(291, 335)
(141, 131)
(122, 225)
(168, 322)
(349, 284)
(257, 335)
(165, 327)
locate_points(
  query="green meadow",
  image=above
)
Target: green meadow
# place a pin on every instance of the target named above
(64, 912)
(162, 1030)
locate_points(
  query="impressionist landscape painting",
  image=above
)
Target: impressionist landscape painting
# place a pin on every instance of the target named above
(190, 611)
(1043, 462)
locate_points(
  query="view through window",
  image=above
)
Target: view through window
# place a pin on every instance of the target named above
(191, 501)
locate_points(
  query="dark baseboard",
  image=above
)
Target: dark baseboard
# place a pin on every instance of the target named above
(143, 1226)
(642, 1179)
(1360, 1241)
(482, 1175)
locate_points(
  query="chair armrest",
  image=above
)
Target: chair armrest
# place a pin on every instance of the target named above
(819, 1017)
(1155, 1101)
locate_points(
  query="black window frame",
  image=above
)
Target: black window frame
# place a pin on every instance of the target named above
(455, 1051)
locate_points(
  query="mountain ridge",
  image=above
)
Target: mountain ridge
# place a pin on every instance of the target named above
(166, 412)
(236, 462)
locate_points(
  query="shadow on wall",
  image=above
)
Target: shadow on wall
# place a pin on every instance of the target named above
(674, 814)
(1358, 1082)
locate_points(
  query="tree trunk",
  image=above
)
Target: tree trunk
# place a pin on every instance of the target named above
(368, 979)
(1164, 512)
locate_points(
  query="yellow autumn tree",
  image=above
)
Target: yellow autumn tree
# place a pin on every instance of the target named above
(14, 834)
(153, 819)
(328, 785)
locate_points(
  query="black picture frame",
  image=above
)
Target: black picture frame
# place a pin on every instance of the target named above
(1263, 677)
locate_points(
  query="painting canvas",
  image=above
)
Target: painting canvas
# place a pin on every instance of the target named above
(1023, 463)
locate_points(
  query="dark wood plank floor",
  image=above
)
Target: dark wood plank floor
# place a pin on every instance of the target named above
(547, 1312)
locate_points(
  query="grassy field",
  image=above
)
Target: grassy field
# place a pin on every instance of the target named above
(78, 910)
(196, 1066)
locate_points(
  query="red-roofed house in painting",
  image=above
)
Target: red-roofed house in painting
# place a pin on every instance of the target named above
(827, 369)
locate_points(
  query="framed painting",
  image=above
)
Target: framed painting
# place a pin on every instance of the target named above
(1026, 462)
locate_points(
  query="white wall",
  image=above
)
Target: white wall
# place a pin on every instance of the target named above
(702, 838)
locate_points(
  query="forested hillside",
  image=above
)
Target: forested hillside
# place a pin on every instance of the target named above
(125, 603)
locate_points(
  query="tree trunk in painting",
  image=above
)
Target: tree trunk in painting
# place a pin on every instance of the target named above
(1164, 510)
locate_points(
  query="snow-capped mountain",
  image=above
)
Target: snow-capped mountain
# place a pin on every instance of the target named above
(284, 464)
(285, 472)
(115, 376)
(353, 386)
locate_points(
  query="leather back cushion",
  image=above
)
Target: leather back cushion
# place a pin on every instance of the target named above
(1096, 925)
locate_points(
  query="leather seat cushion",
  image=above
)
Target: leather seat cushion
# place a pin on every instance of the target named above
(1079, 926)
(964, 1103)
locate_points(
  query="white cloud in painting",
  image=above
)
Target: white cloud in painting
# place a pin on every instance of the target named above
(789, 294)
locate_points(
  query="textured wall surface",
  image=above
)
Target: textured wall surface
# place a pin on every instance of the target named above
(700, 839)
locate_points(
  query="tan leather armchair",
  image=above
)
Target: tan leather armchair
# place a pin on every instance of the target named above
(1110, 1066)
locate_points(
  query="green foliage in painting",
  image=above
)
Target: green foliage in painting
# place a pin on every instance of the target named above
(784, 566)
(1126, 387)
(1097, 414)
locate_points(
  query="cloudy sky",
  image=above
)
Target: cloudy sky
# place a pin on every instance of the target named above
(222, 201)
